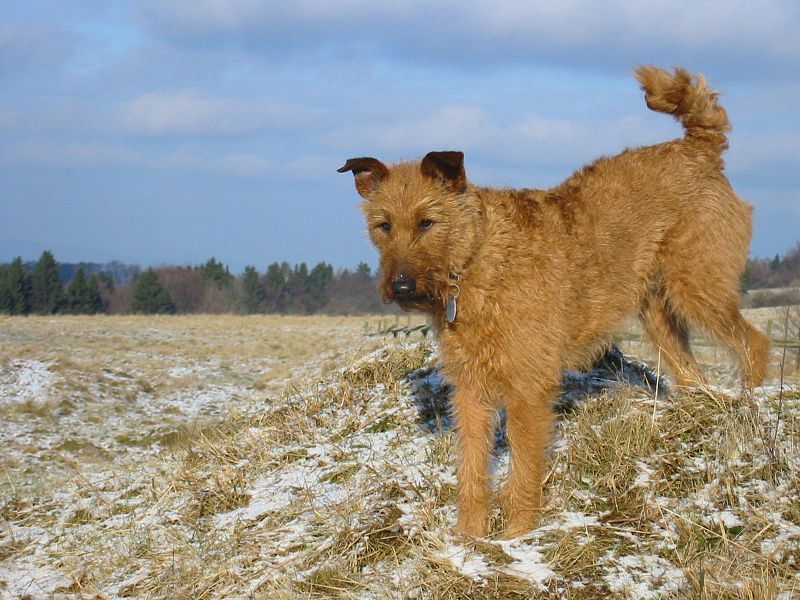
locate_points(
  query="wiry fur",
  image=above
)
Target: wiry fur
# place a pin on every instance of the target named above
(545, 276)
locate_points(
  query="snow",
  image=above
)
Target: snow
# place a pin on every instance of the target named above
(26, 380)
(465, 561)
(643, 577)
(528, 562)
(27, 579)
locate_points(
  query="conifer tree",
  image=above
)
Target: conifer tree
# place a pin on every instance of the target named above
(83, 295)
(107, 279)
(214, 271)
(15, 289)
(275, 288)
(94, 300)
(318, 281)
(149, 296)
(5, 294)
(47, 293)
(363, 271)
(76, 292)
(253, 293)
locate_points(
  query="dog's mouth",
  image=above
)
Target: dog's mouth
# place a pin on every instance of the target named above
(416, 301)
(420, 302)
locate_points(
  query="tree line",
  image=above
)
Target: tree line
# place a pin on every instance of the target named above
(778, 272)
(45, 287)
(207, 288)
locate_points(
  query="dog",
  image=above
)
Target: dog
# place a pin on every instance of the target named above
(521, 284)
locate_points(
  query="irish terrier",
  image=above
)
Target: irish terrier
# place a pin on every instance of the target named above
(521, 284)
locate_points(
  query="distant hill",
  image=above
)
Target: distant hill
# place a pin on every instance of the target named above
(121, 272)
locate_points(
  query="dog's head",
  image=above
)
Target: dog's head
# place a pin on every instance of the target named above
(412, 211)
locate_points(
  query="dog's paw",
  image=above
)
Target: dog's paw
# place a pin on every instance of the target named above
(472, 526)
(519, 524)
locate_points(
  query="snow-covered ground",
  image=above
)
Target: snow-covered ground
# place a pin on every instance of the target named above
(204, 482)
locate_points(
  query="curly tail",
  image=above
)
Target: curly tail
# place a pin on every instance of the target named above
(690, 101)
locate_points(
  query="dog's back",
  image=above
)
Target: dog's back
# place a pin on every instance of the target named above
(662, 232)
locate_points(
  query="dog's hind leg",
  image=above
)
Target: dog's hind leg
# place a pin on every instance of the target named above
(724, 321)
(715, 308)
(669, 332)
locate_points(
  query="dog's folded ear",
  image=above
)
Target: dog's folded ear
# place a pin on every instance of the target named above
(447, 167)
(368, 172)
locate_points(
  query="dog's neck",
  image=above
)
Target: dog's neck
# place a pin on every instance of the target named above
(468, 234)
(468, 237)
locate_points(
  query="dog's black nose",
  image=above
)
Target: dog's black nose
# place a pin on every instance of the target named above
(403, 287)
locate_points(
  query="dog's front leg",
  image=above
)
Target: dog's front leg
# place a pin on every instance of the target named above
(529, 423)
(475, 428)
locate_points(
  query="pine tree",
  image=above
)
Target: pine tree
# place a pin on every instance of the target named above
(94, 302)
(363, 271)
(216, 272)
(275, 288)
(19, 283)
(107, 279)
(318, 280)
(253, 292)
(5, 292)
(76, 293)
(149, 297)
(47, 293)
(83, 295)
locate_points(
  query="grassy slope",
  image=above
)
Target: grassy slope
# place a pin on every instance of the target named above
(120, 482)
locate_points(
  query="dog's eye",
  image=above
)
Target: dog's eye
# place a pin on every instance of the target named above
(425, 224)
(386, 226)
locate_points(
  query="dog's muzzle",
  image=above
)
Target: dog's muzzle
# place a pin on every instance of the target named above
(403, 287)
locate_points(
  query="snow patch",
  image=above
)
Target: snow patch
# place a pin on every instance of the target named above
(26, 380)
(643, 576)
(528, 563)
(469, 563)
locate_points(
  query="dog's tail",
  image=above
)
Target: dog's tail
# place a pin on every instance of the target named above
(690, 101)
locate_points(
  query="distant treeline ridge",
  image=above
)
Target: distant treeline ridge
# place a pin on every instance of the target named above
(46, 287)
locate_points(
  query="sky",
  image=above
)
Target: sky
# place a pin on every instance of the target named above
(169, 131)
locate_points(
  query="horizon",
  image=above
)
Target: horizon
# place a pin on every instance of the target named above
(165, 265)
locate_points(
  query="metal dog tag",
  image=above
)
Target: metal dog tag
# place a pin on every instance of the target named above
(450, 312)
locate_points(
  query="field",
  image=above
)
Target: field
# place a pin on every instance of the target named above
(284, 457)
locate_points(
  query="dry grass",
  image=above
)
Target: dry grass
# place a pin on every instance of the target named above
(340, 482)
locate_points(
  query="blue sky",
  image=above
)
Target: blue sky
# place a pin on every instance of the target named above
(168, 131)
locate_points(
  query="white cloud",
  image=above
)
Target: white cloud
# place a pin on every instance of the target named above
(189, 113)
(529, 140)
(186, 158)
(733, 33)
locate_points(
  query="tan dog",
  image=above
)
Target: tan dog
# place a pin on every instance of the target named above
(522, 284)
